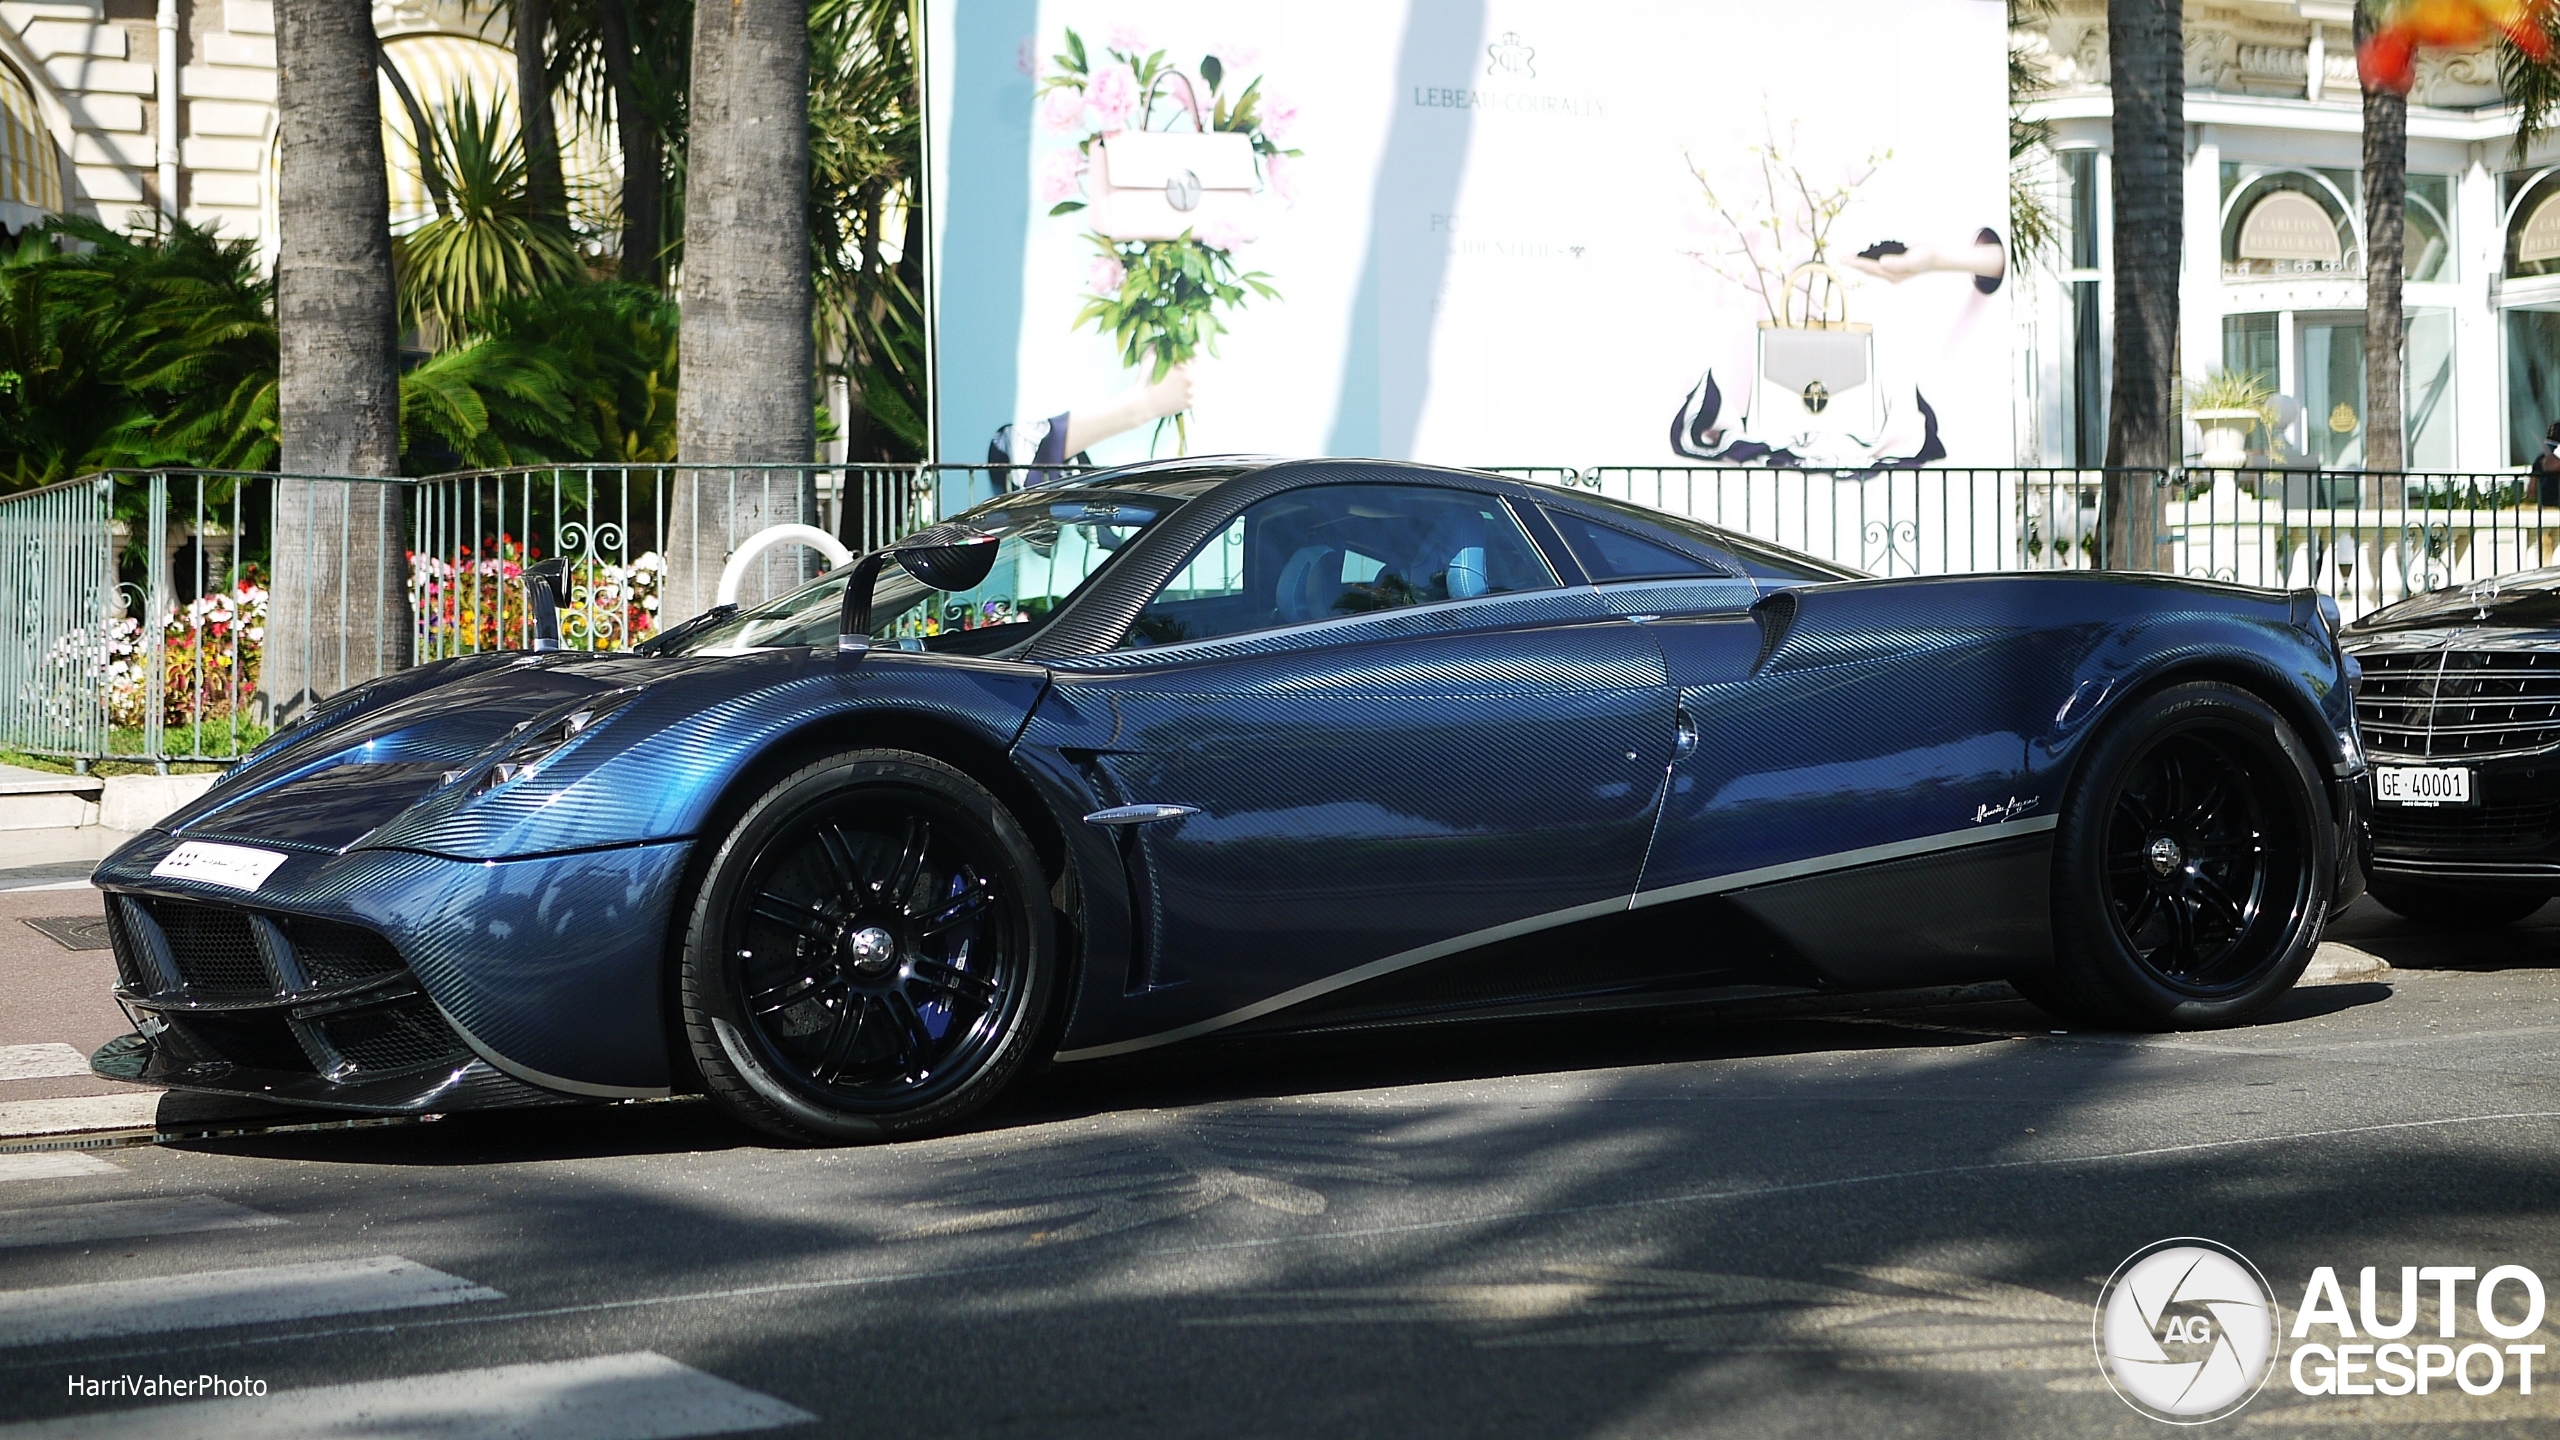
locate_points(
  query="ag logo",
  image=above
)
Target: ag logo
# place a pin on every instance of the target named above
(2186, 1331)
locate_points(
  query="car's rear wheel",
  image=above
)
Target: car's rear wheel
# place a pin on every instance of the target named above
(870, 953)
(2455, 907)
(2190, 865)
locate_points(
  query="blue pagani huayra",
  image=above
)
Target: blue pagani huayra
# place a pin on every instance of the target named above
(1220, 748)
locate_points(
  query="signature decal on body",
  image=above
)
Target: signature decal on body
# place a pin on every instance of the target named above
(2010, 809)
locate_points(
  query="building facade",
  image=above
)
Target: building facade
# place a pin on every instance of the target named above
(2274, 281)
(127, 109)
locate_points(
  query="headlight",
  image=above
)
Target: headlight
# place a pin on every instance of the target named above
(536, 741)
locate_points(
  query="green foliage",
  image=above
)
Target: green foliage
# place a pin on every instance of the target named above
(130, 350)
(1165, 311)
(865, 144)
(489, 245)
(573, 373)
(2534, 85)
(2034, 224)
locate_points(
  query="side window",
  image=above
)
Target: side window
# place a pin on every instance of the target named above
(1328, 551)
(1608, 553)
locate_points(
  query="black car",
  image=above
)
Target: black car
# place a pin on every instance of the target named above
(2459, 705)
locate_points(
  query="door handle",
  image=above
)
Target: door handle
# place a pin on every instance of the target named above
(1139, 814)
(1684, 735)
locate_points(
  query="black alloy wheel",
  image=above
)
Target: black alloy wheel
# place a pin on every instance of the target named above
(2192, 865)
(869, 956)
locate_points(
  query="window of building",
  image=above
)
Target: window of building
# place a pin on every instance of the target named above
(2319, 388)
(2284, 220)
(2087, 388)
(2533, 381)
(2533, 224)
(2426, 370)
(2427, 243)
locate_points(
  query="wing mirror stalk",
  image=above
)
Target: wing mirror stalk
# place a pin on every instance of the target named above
(546, 589)
(947, 557)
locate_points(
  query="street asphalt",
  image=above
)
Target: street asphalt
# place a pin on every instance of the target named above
(1890, 1222)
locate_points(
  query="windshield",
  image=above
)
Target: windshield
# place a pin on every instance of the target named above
(1049, 546)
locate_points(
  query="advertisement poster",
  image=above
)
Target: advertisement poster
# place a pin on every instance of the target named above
(1487, 232)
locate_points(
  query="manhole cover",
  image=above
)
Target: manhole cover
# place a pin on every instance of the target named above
(76, 932)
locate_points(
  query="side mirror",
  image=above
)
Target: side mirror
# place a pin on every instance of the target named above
(545, 590)
(946, 557)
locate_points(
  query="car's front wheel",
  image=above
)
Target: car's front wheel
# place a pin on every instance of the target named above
(870, 952)
(2191, 865)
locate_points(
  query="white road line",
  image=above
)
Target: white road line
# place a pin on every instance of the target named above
(636, 1396)
(54, 885)
(137, 1111)
(40, 1062)
(210, 1298)
(53, 1165)
(124, 1220)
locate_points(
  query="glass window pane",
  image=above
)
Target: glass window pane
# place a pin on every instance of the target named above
(1608, 553)
(2426, 367)
(2427, 243)
(1330, 551)
(2533, 381)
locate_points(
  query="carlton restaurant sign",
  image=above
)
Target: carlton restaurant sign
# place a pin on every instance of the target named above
(2293, 230)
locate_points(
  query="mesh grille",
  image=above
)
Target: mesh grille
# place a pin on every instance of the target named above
(216, 951)
(2466, 828)
(131, 970)
(2459, 704)
(333, 955)
(396, 1038)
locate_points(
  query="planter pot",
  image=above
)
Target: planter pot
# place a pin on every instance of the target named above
(2226, 437)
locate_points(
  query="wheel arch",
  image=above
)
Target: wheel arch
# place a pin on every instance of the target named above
(2247, 673)
(934, 736)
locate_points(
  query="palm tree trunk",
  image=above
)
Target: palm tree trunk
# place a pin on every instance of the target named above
(745, 389)
(546, 193)
(340, 607)
(2147, 50)
(643, 161)
(2386, 191)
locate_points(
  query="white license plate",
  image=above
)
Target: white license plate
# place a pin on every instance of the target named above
(2428, 785)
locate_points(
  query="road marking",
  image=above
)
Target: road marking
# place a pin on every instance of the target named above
(54, 885)
(637, 1396)
(137, 1111)
(125, 1220)
(53, 1165)
(207, 1299)
(40, 1062)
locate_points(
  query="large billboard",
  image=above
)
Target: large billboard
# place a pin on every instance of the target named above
(1517, 232)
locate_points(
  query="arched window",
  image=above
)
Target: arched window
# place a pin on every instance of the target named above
(2289, 221)
(30, 167)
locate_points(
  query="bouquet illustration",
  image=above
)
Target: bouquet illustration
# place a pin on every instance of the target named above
(1165, 172)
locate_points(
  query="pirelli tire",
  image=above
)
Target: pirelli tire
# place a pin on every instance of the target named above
(871, 954)
(2192, 865)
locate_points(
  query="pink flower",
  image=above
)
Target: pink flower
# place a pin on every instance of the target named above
(1276, 173)
(1279, 117)
(1221, 235)
(1236, 57)
(1061, 175)
(1113, 95)
(1062, 109)
(1106, 276)
(1128, 39)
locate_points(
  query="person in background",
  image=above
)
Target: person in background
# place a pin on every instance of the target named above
(2546, 469)
(1045, 448)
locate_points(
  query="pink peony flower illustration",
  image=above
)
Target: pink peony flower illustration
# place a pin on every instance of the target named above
(1221, 235)
(1062, 109)
(1279, 117)
(1106, 276)
(1276, 172)
(1061, 175)
(1128, 39)
(1113, 96)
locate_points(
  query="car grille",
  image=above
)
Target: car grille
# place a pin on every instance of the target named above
(333, 955)
(399, 1038)
(2466, 828)
(216, 951)
(2458, 704)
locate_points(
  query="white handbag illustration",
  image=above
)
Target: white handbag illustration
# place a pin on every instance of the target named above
(1817, 370)
(1156, 184)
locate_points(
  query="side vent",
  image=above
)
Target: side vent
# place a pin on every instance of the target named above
(1776, 615)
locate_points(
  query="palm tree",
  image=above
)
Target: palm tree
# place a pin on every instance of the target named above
(864, 148)
(745, 394)
(492, 239)
(545, 189)
(2147, 59)
(2386, 212)
(340, 595)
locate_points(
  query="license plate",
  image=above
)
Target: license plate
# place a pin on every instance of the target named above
(2429, 785)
